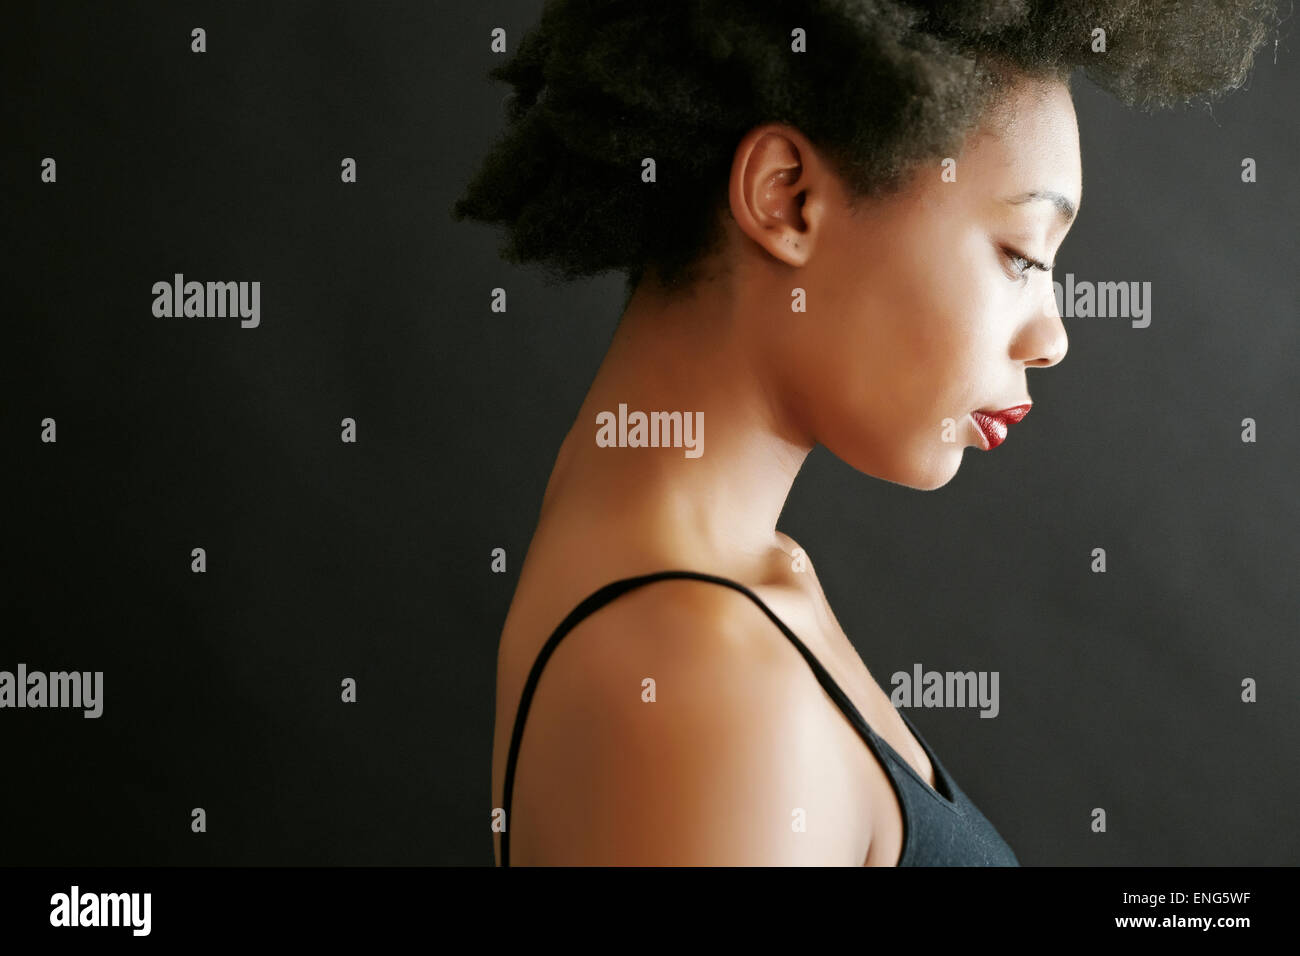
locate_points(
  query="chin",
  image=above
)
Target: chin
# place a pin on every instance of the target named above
(936, 466)
(927, 479)
(935, 481)
(924, 471)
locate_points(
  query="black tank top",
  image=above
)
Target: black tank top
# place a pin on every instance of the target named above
(940, 827)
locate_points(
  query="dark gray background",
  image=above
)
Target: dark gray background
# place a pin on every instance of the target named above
(372, 560)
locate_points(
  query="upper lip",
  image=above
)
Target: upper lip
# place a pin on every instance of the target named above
(1010, 415)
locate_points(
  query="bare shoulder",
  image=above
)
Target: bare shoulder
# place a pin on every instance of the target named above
(677, 725)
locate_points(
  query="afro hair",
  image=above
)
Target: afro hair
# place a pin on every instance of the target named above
(598, 85)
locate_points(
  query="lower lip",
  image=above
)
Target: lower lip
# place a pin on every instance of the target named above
(992, 430)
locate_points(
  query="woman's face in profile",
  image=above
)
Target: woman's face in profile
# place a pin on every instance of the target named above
(937, 310)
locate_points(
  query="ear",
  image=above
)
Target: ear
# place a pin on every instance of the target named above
(779, 191)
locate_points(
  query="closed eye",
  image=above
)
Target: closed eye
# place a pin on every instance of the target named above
(1021, 264)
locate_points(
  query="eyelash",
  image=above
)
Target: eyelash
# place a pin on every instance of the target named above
(1023, 274)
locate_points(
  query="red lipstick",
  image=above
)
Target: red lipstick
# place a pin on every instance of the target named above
(993, 425)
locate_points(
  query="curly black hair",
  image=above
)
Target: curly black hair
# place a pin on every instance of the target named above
(883, 85)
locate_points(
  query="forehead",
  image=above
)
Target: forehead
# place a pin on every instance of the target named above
(1028, 140)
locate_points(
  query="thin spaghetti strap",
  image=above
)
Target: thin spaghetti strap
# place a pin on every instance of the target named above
(615, 589)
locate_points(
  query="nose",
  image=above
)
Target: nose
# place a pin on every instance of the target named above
(1042, 341)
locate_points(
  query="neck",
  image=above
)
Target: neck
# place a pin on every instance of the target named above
(689, 355)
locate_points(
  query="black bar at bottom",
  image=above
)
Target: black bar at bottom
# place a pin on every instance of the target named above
(334, 906)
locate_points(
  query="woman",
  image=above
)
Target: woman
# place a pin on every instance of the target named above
(838, 222)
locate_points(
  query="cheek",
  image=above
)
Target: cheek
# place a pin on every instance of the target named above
(936, 326)
(905, 334)
(943, 339)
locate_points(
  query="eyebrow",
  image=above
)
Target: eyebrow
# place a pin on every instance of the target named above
(1066, 208)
